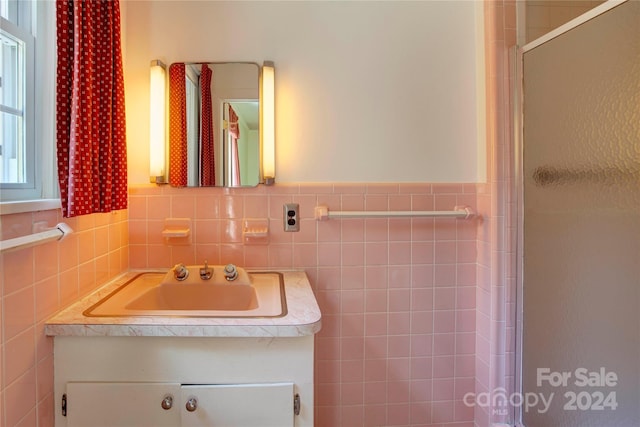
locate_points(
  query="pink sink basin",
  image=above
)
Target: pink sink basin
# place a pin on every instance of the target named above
(147, 295)
(197, 297)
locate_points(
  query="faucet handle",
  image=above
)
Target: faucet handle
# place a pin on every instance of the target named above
(206, 272)
(230, 272)
(180, 272)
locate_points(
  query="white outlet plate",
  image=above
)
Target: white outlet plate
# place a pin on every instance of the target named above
(291, 217)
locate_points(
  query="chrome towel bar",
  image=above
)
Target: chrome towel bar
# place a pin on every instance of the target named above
(56, 233)
(461, 212)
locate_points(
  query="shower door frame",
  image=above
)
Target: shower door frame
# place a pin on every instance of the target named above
(516, 61)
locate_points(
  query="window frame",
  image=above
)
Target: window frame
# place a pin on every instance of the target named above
(36, 28)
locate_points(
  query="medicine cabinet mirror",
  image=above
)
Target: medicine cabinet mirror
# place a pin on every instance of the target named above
(214, 124)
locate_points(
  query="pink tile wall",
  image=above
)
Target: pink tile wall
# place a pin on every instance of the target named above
(38, 281)
(496, 236)
(398, 296)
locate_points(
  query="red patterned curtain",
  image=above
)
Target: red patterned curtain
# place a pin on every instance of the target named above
(177, 126)
(90, 115)
(207, 160)
(234, 131)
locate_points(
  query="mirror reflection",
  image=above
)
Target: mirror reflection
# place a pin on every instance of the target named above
(214, 126)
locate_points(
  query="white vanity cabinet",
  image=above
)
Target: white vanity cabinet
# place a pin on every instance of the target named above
(236, 371)
(211, 381)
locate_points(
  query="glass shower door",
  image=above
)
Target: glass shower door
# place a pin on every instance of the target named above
(581, 232)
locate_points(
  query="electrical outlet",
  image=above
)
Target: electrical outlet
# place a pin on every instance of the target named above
(291, 216)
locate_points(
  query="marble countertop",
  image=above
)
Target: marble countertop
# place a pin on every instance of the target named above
(303, 317)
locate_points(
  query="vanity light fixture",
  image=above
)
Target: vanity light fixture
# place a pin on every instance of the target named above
(267, 122)
(157, 123)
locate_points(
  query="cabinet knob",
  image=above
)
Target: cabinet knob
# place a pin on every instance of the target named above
(167, 403)
(192, 404)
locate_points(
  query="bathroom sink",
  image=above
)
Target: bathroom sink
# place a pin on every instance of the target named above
(196, 297)
(256, 294)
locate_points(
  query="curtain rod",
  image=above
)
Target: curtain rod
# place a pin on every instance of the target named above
(461, 212)
(58, 232)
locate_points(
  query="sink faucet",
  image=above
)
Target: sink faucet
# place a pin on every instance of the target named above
(206, 272)
(180, 272)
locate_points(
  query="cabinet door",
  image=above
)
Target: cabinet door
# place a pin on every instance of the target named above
(121, 404)
(238, 405)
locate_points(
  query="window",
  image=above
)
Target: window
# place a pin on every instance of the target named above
(26, 72)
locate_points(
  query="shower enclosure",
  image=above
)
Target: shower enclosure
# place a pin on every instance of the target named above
(580, 224)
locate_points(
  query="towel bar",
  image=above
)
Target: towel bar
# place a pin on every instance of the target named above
(56, 233)
(461, 212)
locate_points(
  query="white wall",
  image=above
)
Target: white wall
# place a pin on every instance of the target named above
(365, 91)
